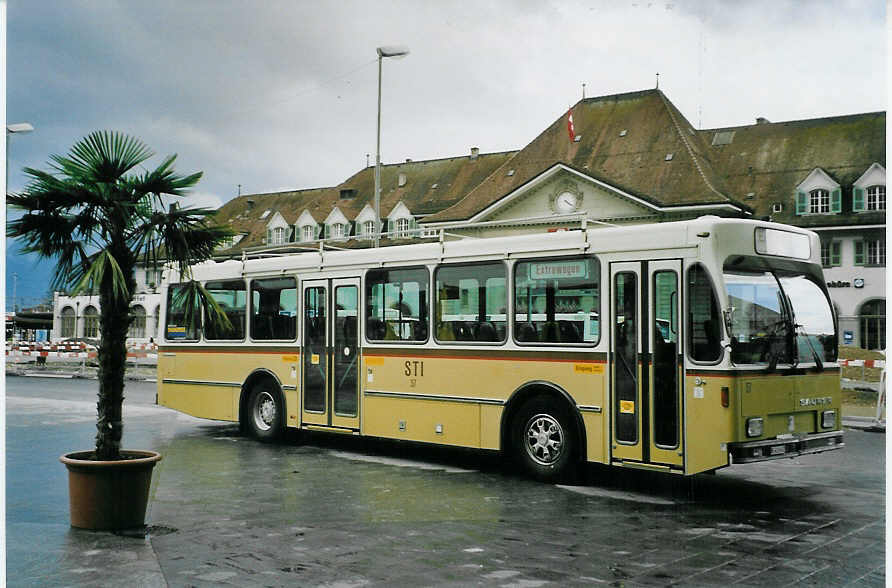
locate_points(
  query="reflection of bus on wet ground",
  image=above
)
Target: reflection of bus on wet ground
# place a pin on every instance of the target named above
(714, 344)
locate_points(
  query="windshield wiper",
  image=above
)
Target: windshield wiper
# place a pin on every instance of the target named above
(819, 365)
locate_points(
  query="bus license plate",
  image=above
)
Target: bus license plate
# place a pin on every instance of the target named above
(778, 450)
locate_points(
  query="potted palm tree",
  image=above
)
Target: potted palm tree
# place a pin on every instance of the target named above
(98, 216)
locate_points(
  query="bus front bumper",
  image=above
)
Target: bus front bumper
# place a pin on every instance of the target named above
(783, 447)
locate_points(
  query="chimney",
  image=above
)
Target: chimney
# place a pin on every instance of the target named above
(401, 181)
(762, 121)
(475, 151)
(408, 160)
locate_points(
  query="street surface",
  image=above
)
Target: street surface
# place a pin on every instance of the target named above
(342, 511)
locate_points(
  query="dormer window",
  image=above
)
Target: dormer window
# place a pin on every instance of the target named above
(401, 228)
(278, 236)
(368, 228)
(818, 194)
(869, 191)
(819, 201)
(337, 231)
(307, 233)
(876, 198)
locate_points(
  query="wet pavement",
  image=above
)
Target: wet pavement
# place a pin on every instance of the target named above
(343, 511)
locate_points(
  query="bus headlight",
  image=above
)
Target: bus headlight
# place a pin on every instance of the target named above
(754, 427)
(828, 419)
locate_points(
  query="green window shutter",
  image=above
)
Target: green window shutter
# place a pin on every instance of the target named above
(857, 199)
(315, 231)
(836, 253)
(836, 200)
(290, 234)
(801, 203)
(413, 225)
(389, 226)
(327, 232)
(269, 236)
(859, 252)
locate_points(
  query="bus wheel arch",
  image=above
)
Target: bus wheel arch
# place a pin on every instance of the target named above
(262, 406)
(543, 406)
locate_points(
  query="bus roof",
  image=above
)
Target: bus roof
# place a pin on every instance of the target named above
(650, 238)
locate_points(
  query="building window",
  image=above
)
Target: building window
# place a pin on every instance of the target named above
(277, 236)
(137, 328)
(831, 253)
(337, 231)
(91, 322)
(368, 228)
(876, 198)
(819, 201)
(69, 321)
(873, 324)
(870, 252)
(307, 233)
(402, 228)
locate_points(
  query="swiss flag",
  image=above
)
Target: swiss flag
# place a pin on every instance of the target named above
(570, 130)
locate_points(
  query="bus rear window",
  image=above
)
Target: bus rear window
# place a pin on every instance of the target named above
(183, 321)
(557, 301)
(396, 305)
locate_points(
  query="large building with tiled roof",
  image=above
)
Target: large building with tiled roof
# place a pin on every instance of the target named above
(628, 158)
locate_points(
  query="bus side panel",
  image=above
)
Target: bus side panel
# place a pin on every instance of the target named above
(479, 379)
(216, 378)
(428, 421)
(596, 443)
(709, 426)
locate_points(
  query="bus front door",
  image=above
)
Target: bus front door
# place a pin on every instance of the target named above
(330, 353)
(645, 365)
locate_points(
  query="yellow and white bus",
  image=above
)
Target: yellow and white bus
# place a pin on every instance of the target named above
(680, 347)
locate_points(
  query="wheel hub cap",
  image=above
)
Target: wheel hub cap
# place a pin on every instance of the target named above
(544, 439)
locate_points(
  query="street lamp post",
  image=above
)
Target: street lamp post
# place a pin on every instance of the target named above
(12, 129)
(396, 53)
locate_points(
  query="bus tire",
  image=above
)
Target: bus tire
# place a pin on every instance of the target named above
(544, 440)
(265, 412)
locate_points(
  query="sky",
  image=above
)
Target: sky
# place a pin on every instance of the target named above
(282, 95)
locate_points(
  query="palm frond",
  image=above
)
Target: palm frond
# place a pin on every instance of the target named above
(103, 157)
(104, 266)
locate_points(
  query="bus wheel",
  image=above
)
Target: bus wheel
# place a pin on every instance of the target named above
(544, 441)
(265, 412)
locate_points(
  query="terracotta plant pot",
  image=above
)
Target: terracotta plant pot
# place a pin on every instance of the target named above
(109, 495)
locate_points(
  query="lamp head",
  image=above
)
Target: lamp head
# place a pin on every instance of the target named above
(394, 51)
(19, 128)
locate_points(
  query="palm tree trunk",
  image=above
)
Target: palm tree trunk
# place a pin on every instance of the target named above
(112, 362)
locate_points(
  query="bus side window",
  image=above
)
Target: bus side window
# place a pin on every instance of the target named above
(704, 325)
(230, 295)
(470, 303)
(396, 304)
(273, 309)
(557, 301)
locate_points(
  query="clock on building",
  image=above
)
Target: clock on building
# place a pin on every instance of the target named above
(565, 201)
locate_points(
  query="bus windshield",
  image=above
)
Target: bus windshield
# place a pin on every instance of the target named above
(779, 319)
